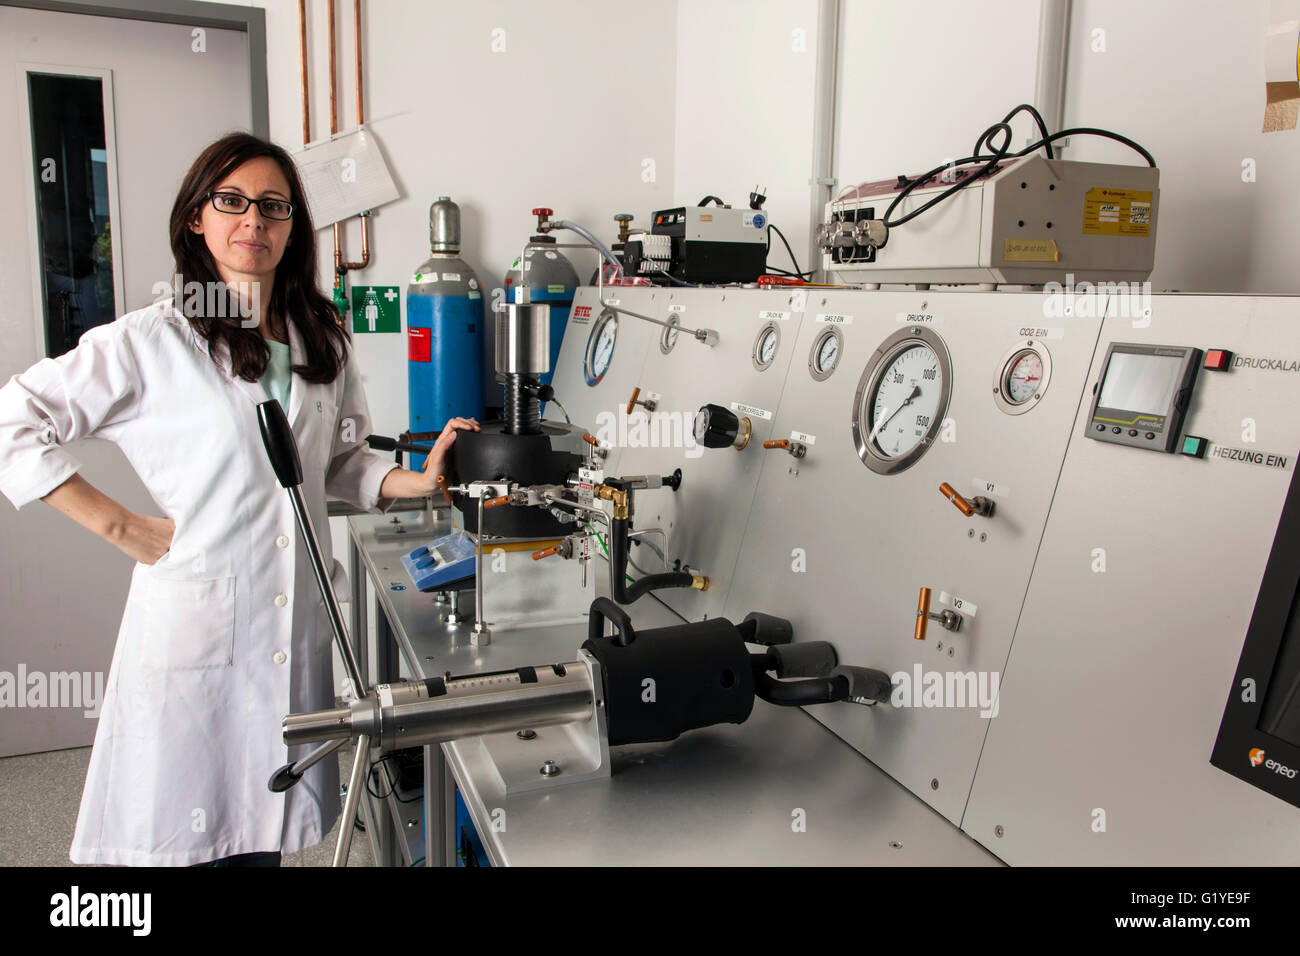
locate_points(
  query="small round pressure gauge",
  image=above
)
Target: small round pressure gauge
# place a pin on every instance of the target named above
(1022, 379)
(825, 354)
(669, 337)
(600, 347)
(769, 337)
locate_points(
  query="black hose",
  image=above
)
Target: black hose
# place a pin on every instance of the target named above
(795, 693)
(602, 610)
(625, 593)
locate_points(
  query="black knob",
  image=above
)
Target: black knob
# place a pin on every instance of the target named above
(281, 448)
(283, 779)
(674, 481)
(716, 427)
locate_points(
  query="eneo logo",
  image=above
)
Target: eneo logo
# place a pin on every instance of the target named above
(1257, 757)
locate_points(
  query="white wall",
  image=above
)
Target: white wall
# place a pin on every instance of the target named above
(550, 121)
(919, 81)
(744, 108)
(1186, 80)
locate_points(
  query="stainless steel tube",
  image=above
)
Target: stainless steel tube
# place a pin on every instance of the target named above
(327, 590)
(404, 715)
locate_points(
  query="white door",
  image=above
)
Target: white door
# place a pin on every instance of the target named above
(83, 254)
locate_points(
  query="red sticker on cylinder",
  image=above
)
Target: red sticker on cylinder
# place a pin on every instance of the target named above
(418, 342)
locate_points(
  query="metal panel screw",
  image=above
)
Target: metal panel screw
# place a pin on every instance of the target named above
(526, 734)
(549, 769)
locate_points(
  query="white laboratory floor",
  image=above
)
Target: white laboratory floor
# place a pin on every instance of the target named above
(40, 793)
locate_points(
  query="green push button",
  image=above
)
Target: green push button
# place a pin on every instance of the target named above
(1194, 446)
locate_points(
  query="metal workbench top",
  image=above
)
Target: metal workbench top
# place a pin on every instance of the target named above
(779, 789)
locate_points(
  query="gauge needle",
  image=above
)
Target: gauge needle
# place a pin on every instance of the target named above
(916, 390)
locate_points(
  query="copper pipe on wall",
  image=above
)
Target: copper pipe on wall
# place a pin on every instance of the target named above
(339, 264)
(334, 80)
(356, 26)
(302, 56)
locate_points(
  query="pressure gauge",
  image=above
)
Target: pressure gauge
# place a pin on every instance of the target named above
(825, 354)
(1022, 378)
(600, 347)
(669, 337)
(769, 336)
(901, 400)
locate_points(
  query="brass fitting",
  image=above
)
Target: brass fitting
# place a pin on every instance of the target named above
(616, 495)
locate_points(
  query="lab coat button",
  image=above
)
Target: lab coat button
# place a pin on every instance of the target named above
(281, 600)
(282, 541)
(279, 657)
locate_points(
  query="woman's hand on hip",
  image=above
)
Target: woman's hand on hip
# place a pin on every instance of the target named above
(142, 537)
(146, 538)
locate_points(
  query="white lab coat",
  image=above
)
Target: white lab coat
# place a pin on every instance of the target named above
(227, 632)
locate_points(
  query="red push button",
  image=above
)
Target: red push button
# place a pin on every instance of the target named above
(1217, 360)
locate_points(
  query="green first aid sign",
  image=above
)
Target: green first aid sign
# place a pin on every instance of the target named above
(376, 308)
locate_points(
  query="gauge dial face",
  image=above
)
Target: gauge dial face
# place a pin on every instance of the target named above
(601, 350)
(828, 354)
(906, 401)
(1024, 377)
(767, 347)
(670, 336)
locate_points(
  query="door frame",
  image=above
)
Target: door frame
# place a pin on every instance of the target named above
(216, 16)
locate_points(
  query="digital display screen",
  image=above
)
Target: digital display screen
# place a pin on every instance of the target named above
(1141, 382)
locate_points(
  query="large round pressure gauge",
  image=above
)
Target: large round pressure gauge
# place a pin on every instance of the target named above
(1022, 377)
(901, 400)
(600, 347)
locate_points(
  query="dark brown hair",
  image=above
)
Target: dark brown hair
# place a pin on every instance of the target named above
(295, 296)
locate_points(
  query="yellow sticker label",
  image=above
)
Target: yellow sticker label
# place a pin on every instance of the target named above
(1117, 212)
(1030, 250)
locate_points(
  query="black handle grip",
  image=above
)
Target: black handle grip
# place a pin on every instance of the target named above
(384, 443)
(283, 779)
(760, 628)
(807, 659)
(278, 439)
(602, 610)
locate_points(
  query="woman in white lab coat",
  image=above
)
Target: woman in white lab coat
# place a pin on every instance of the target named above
(224, 630)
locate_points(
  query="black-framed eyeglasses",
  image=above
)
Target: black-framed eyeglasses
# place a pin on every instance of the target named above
(236, 205)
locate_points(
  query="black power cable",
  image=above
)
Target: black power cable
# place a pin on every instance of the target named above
(997, 151)
(797, 272)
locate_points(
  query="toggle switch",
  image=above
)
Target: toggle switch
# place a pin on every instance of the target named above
(649, 404)
(948, 619)
(796, 448)
(975, 506)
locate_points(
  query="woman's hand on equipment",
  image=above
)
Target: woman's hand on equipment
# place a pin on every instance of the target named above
(436, 461)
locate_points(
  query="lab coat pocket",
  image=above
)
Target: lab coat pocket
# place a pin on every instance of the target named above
(189, 624)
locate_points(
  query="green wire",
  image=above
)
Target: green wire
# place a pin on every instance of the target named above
(606, 550)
